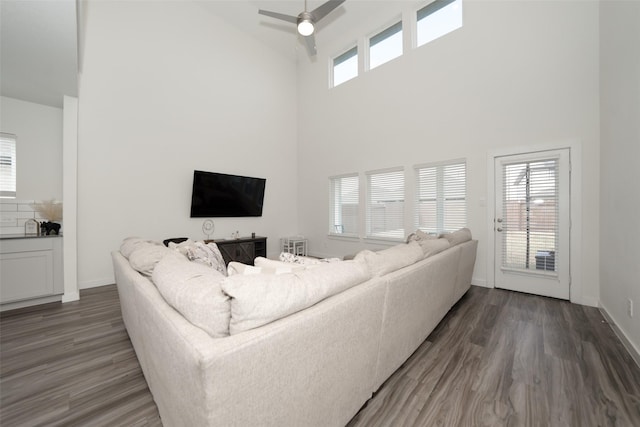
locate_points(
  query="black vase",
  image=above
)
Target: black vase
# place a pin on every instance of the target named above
(50, 228)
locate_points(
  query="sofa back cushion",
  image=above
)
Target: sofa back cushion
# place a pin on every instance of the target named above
(130, 244)
(193, 289)
(260, 299)
(433, 246)
(146, 256)
(458, 236)
(391, 259)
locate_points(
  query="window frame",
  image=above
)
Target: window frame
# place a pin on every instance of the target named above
(369, 235)
(428, 10)
(8, 150)
(398, 21)
(441, 197)
(348, 55)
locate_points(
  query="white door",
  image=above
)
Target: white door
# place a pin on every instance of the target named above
(532, 223)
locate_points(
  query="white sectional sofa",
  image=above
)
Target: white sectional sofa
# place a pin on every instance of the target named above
(303, 348)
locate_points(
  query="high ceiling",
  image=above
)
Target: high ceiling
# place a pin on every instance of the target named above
(39, 50)
(282, 36)
(39, 46)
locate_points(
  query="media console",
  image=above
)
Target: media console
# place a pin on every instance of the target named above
(243, 250)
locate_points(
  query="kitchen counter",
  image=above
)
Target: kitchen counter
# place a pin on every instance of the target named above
(27, 236)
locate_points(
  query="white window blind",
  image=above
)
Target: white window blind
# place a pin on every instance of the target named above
(385, 46)
(385, 204)
(345, 197)
(7, 165)
(437, 19)
(345, 66)
(441, 201)
(530, 216)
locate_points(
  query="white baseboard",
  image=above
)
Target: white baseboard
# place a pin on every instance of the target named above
(588, 301)
(480, 282)
(96, 283)
(631, 348)
(70, 296)
(29, 302)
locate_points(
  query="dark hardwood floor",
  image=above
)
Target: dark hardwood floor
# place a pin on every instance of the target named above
(499, 358)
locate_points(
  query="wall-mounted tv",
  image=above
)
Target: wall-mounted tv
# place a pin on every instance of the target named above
(222, 195)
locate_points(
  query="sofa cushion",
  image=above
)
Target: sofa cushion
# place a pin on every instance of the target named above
(391, 259)
(260, 299)
(274, 264)
(239, 268)
(193, 289)
(433, 246)
(146, 256)
(457, 237)
(130, 244)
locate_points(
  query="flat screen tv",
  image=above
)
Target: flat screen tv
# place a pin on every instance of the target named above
(222, 195)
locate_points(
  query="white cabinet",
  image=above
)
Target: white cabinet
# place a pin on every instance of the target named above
(30, 271)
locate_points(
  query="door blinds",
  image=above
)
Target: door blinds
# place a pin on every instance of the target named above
(530, 217)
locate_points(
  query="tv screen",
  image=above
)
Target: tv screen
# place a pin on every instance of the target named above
(222, 195)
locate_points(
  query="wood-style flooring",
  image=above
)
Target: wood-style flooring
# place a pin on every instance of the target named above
(502, 358)
(499, 358)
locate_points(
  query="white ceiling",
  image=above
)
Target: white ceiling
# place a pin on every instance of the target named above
(38, 50)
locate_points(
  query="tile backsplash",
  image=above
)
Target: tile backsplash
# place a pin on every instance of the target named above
(14, 213)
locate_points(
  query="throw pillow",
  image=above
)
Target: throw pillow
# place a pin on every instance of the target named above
(207, 254)
(420, 235)
(304, 260)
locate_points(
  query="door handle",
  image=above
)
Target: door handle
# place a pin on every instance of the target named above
(499, 229)
(499, 219)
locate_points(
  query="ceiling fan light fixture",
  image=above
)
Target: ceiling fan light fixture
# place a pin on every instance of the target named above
(305, 24)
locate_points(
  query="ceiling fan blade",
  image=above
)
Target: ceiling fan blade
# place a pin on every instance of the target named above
(324, 9)
(310, 41)
(282, 16)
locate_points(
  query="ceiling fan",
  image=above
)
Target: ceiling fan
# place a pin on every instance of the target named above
(306, 21)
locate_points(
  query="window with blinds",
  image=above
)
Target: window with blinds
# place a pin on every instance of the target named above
(441, 197)
(385, 204)
(7, 165)
(385, 46)
(345, 66)
(530, 216)
(437, 19)
(345, 196)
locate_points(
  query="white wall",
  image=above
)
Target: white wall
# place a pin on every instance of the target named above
(516, 74)
(38, 129)
(166, 88)
(620, 175)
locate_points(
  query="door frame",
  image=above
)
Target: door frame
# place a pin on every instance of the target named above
(575, 179)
